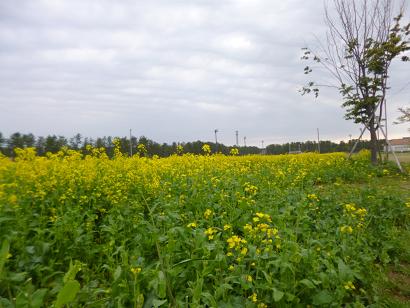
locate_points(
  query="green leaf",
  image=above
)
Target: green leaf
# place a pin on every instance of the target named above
(158, 302)
(277, 295)
(4, 252)
(267, 277)
(344, 270)
(139, 301)
(72, 271)
(37, 298)
(117, 273)
(5, 303)
(197, 290)
(323, 297)
(306, 282)
(290, 297)
(67, 293)
(17, 277)
(162, 284)
(22, 300)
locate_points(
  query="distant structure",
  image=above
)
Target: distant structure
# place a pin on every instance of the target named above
(263, 150)
(398, 145)
(294, 152)
(237, 140)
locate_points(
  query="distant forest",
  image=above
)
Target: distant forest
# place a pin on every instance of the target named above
(53, 144)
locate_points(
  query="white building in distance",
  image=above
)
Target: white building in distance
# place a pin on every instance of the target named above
(400, 145)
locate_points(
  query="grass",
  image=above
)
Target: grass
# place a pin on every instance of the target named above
(394, 283)
(402, 157)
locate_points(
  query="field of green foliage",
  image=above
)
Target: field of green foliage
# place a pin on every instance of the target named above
(198, 231)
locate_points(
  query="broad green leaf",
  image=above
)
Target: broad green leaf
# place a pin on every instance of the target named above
(4, 252)
(22, 300)
(277, 295)
(72, 271)
(37, 298)
(117, 273)
(344, 270)
(158, 302)
(323, 297)
(67, 294)
(198, 290)
(306, 282)
(5, 303)
(139, 301)
(290, 297)
(162, 284)
(17, 277)
(267, 277)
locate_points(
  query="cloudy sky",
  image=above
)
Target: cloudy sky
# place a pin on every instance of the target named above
(169, 70)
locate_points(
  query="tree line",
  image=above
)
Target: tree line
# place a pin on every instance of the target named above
(53, 144)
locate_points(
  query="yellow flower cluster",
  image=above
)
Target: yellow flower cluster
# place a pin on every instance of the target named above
(262, 233)
(313, 197)
(250, 189)
(210, 232)
(136, 270)
(346, 229)
(349, 286)
(253, 297)
(357, 214)
(234, 151)
(208, 213)
(261, 216)
(234, 242)
(206, 148)
(192, 225)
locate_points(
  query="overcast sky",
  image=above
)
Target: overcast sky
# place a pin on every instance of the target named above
(169, 70)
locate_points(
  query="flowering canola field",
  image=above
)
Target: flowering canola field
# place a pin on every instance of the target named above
(193, 231)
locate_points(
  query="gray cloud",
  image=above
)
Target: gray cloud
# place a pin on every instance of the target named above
(170, 70)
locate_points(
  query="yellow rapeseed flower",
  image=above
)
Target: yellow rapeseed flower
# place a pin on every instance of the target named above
(350, 207)
(206, 148)
(208, 213)
(349, 286)
(136, 270)
(192, 225)
(210, 233)
(346, 229)
(253, 297)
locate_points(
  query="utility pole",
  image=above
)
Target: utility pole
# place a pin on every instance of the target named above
(318, 141)
(262, 144)
(216, 137)
(237, 142)
(385, 123)
(130, 143)
(244, 140)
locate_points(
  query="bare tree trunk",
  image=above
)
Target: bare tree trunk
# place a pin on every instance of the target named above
(373, 142)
